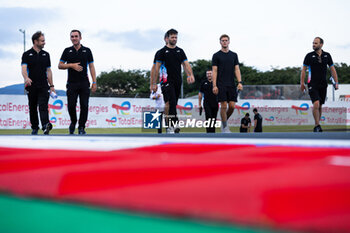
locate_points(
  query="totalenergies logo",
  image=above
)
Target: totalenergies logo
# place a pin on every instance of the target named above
(270, 119)
(186, 108)
(323, 120)
(53, 121)
(245, 107)
(125, 106)
(302, 109)
(112, 121)
(56, 107)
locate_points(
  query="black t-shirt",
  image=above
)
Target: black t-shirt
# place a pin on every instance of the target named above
(171, 60)
(244, 122)
(226, 63)
(259, 119)
(209, 97)
(37, 65)
(84, 56)
(318, 68)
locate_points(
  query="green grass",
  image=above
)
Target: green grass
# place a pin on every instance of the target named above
(297, 128)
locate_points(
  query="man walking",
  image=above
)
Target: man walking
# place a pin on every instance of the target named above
(257, 121)
(37, 74)
(225, 69)
(172, 57)
(317, 62)
(77, 59)
(245, 124)
(210, 101)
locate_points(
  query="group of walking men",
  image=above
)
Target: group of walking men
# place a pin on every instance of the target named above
(37, 74)
(222, 85)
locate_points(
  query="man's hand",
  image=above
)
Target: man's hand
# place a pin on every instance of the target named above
(93, 87)
(190, 79)
(76, 66)
(153, 88)
(302, 87)
(240, 86)
(215, 90)
(28, 82)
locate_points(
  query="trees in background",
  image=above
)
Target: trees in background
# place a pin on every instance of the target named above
(135, 83)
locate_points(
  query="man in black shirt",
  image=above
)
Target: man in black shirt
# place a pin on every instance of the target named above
(171, 57)
(76, 59)
(37, 74)
(225, 69)
(210, 100)
(257, 121)
(317, 62)
(245, 124)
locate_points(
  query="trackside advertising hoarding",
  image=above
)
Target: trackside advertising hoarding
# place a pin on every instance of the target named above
(127, 112)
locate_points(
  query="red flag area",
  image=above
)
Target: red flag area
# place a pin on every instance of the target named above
(283, 187)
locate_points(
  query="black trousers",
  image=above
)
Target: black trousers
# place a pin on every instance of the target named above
(81, 90)
(38, 97)
(211, 112)
(171, 93)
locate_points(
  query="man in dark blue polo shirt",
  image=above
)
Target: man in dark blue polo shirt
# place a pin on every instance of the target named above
(225, 70)
(316, 62)
(211, 104)
(171, 58)
(37, 74)
(77, 59)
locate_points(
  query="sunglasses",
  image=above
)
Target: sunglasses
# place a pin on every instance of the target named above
(319, 59)
(74, 36)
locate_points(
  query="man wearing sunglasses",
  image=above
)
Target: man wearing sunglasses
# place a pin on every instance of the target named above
(316, 62)
(77, 59)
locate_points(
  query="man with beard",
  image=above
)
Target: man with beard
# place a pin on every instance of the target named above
(37, 76)
(317, 62)
(172, 57)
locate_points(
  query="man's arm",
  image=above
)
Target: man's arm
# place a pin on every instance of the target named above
(27, 80)
(188, 71)
(215, 75)
(93, 76)
(239, 77)
(302, 78)
(255, 123)
(335, 76)
(152, 78)
(155, 75)
(74, 66)
(50, 80)
(200, 96)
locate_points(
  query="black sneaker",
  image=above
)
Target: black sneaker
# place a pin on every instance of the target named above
(34, 131)
(317, 129)
(71, 129)
(47, 128)
(81, 131)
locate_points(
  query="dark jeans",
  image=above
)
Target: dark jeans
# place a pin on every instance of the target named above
(83, 91)
(211, 112)
(38, 97)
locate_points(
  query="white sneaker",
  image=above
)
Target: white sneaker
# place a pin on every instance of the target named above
(170, 130)
(226, 130)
